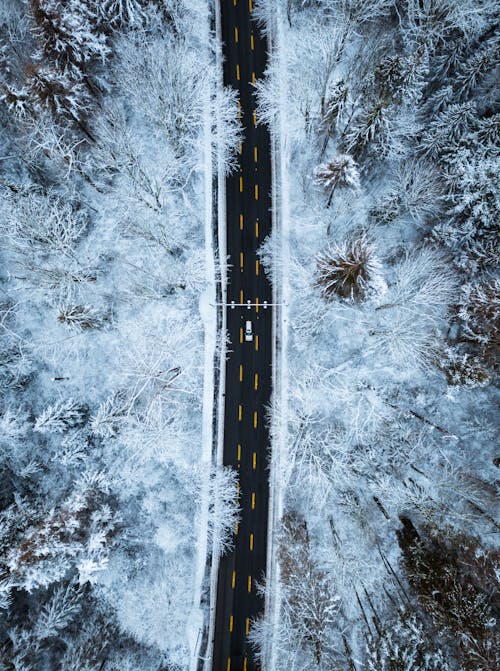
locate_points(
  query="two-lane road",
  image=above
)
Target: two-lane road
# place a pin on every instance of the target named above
(248, 368)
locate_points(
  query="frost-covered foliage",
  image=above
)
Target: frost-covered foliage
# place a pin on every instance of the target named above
(386, 119)
(105, 114)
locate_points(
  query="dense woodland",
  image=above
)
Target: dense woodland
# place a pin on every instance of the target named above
(386, 117)
(388, 130)
(105, 113)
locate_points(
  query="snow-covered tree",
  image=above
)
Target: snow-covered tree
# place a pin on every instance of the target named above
(340, 171)
(61, 417)
(404, 645)
(224, 509)
(69, 33)
(453, 576)
(81, 317)
(308, 591)
(350, 271)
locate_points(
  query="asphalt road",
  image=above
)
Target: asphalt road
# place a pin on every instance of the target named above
(248, 368)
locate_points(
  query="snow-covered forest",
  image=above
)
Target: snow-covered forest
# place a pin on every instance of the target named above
(385, 114)
(107, 120)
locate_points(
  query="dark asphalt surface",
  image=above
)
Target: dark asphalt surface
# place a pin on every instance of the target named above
(248, 368)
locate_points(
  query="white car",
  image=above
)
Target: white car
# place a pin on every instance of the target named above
(248, 331)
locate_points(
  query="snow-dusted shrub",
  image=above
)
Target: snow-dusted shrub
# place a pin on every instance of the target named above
(350, 271)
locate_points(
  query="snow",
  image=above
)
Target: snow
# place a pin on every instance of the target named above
(369, 425)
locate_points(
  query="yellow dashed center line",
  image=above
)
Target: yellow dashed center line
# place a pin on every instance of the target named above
(256, 381)
(256, 341)
(251, 542)
(241, 222)
(236, 528)
(254, 118)
(238, 72)
(241, 260)
(255, 418)
(256, 305)
(257, 228)
(240, 412)
(249, 584)
(236, 34)
(252, 45)
(254, 461)
(250, 6)
(256, 192)
(253, 500)
(241, 183)
(233, 579)
(257, 267)
(228, 667)
(241, 148)
(231, 623)
(241, 334)
(253, 77)
(247, 625)
(241, 295)
(239, 452)
(241, 372)
(255, 155)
